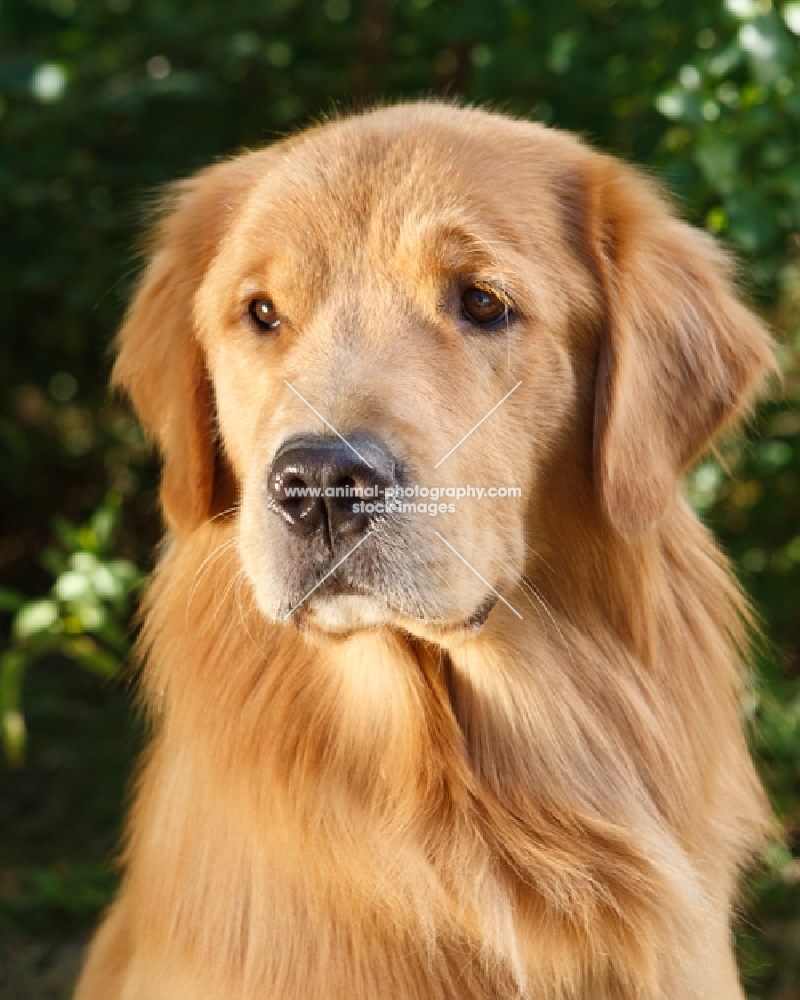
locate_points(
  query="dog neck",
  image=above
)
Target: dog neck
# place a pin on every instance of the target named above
(363, 756)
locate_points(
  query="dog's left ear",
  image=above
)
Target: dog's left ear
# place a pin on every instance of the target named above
(680, 357)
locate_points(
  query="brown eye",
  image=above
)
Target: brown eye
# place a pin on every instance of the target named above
(482, 306)
(263, 313)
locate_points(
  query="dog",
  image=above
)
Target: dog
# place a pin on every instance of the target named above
(411, 739)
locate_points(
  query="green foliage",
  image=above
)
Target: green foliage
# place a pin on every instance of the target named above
(101, 102)
(736, 109)
(84, 617)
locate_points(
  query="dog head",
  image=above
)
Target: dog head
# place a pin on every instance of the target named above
(349, 340)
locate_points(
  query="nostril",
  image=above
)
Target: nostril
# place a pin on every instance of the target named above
(292, 496)
(295, 495)
(345, 491)
(292, 487)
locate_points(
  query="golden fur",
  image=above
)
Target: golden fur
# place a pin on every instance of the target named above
(385, 803)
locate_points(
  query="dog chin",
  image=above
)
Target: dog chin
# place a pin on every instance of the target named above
(344, 613)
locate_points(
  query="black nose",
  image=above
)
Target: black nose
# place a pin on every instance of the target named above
(325, 484)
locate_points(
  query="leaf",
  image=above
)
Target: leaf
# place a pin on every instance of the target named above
(791, 15)
(10, 600)
(14, 737)
(767, 47)
(680, 105)
(742, 8)
(12, 669)
(66, 533)
(124, 570)
(92, 615)
(53, 561)
(751, 223)
(104, 522)
(725, 61)
(35, 617)
(105, 584)
(84, 562)
(72, 586)
(718, 158)
(91, 656)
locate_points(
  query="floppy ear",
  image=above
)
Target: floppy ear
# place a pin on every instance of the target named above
(160, 362)
(679, 358)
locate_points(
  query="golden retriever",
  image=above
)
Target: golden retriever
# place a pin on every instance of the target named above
(491, 749)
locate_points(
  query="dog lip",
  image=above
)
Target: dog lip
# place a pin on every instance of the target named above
(335, 586)
(482, 612)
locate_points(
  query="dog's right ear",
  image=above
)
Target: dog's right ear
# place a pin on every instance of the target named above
(160, 364)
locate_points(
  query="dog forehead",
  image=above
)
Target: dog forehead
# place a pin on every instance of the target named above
(342, 189)
(350, 192)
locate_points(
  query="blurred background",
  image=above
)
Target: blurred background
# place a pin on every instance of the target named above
(102, 101)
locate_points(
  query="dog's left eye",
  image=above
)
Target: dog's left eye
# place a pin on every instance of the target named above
(263, 313)
(482, 306)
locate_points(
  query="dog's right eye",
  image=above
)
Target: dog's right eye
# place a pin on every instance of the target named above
(263, 313)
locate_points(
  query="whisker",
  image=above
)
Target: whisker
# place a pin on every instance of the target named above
(534, 606)
(222, 513)
(397, 548)
(206, 564)
(549, 566)
(219, 604)
(525, 582)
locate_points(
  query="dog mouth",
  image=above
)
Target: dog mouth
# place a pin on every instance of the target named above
(478, 619)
